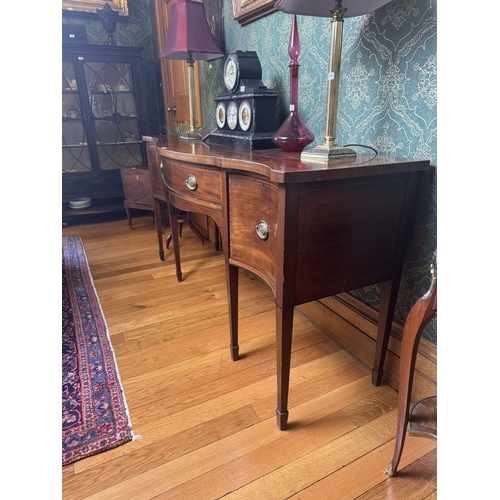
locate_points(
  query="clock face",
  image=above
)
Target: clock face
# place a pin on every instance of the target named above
(245, 116)
(221, 114)
(231, 73)
(232, 115)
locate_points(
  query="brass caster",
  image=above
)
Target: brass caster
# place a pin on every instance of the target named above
(389, 472)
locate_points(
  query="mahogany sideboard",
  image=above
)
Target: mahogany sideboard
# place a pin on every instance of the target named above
(308, 230)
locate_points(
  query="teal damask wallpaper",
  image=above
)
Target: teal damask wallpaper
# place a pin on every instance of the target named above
(387, 96)
(387, 100)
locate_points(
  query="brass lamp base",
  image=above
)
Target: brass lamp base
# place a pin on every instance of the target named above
(324, 153)
(191, 136)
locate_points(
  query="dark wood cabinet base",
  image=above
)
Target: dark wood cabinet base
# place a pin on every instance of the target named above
(109, 209)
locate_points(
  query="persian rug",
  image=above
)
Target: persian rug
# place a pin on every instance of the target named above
(95, 416)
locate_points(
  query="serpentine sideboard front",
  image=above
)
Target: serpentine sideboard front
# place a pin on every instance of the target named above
(309, 231)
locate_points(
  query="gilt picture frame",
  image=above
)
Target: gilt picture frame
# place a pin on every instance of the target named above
(92, 5)
(248, 11)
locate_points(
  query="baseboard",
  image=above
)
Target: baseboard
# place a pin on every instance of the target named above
(354, 326)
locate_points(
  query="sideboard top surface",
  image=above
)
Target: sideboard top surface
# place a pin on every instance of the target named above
(282, 167)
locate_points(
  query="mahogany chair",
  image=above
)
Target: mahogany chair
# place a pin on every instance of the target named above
(421, 420)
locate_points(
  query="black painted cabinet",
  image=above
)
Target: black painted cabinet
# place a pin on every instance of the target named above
(103, 120)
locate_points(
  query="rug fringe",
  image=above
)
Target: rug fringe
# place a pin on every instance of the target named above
(127, 412)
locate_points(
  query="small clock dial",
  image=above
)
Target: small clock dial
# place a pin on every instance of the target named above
(231, 73)
(221, 115)
(232, 115)
(245, 116)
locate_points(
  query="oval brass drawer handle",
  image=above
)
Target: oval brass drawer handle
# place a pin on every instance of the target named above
(262, 230)
(191, 183)
(162, 173)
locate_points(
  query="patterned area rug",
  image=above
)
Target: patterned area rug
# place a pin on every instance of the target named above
(94, 411)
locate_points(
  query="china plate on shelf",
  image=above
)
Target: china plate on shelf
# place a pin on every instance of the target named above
(83, 202)
(80, 208)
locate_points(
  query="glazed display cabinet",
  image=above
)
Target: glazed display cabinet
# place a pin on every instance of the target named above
(103, 120)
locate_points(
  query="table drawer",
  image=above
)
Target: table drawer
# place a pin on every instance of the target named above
(253, 204)
(197, 183)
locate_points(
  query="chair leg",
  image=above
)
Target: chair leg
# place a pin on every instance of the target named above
(129, 217)
(420, 315)
(159, 231)
(409, 349)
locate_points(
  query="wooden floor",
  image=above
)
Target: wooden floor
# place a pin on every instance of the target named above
(205, 426)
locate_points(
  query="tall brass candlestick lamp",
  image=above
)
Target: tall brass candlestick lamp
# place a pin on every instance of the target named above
(189, 38)
(337, 10)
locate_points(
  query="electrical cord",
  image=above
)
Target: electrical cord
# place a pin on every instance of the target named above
(362, 146)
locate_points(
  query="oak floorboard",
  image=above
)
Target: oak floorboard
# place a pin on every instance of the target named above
(142, 337)
(164, 450)
(319, 463)
(423, 481)
(205, 426)
(432, 496)
(198, 343)
(215, 393)
(163, 310)
(209, 457)
(214, 374)
(340, 484)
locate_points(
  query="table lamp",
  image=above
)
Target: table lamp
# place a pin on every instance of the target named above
(337, 10)
(189, 38)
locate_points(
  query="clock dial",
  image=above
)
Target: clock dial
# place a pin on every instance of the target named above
(245, 116)
(221, 114)
(231, 73)
(232, 115)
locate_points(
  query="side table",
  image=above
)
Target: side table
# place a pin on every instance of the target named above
(137, 188)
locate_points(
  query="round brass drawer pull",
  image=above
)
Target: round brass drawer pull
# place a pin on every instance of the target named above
(262, 230)
(191, 183)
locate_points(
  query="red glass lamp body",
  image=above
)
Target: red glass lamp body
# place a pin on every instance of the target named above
(293, 135)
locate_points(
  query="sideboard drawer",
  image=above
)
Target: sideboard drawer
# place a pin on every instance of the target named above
(253, 225)
(197, 183)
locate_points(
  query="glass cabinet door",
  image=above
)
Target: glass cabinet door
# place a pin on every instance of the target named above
(75, 151)
(115, 120)
(103, 120)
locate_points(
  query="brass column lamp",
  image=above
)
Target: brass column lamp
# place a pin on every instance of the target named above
(329, 149)
(192, 117)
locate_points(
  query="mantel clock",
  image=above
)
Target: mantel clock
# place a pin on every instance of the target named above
(246, 108)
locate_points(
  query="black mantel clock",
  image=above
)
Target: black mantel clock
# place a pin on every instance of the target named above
(246, 108)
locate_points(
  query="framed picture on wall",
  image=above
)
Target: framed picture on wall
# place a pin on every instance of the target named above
(92, 5)
(213, 11)
(247, 11)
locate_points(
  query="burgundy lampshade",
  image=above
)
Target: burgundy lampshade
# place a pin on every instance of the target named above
(321, 8)
(188, 34)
